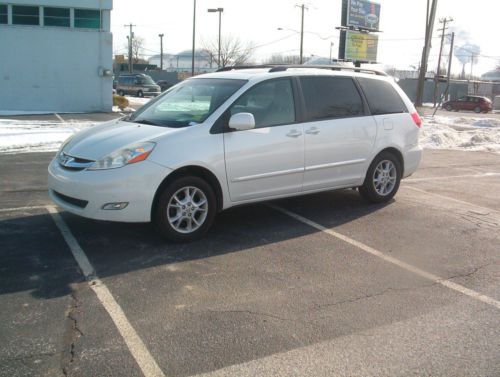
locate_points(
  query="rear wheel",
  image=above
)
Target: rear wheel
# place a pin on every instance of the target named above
(140, 94)
(477, 109)
(185, 210)
(448, 108)
(121, 93)
(382, 179)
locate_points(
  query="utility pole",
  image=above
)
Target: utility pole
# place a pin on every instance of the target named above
(302, 7)
(194, 37)
(471, 64)
(443, 21)
(130, 41)
(161, 51)
(450, 58)
(430, 17)
(331, 47)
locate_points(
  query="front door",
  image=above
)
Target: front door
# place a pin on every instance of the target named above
(268, 160)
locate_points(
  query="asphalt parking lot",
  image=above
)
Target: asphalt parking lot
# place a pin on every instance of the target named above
(320, 285)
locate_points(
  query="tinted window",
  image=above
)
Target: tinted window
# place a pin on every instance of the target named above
(382, 97)
(331, 97)
(22, 15)
(56, 17)
(271, 103)
(88, 18)
(3, 14)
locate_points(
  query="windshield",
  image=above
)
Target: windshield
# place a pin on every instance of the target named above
(189, 103)
(146, 81)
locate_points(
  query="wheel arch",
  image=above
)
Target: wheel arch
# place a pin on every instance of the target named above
(196, 171)
(396, 152)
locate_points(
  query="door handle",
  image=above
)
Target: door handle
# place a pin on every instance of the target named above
(294, 133)
(313, 131)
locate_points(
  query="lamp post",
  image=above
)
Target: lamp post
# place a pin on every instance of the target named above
(331, 47)
(194, 37)
(218, 10)
(161, 51)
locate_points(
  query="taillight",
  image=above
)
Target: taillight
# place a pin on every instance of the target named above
(416, 119)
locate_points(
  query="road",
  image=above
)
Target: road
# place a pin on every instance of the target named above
(319, 285)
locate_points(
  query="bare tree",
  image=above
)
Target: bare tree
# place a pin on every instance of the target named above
(233, 50)
(283, 59)
(137, 49)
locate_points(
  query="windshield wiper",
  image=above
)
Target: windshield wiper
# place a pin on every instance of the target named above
(146, 121)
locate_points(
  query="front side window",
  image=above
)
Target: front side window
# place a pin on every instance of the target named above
(88, 18)
(382, 97)
(331, 97)
(271, 103)
(3, 14)
(56, 17)
(187, 104)
(25, 15)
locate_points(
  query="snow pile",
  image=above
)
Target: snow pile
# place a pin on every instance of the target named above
(461, 133)
(36, 136)
(137, 101)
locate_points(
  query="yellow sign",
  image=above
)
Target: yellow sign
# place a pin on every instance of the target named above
(361, 46)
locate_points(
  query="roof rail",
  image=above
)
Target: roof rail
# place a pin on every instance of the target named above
(281, 68)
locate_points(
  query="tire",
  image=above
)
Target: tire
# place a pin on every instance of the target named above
(369, 191)
(448, 108)
(168, 209)
(121, 93)
(477, 109)
(140, 94)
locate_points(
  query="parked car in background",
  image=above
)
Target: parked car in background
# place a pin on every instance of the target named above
(240, 136)
(164, 85)
(477, 104)
(139, 85)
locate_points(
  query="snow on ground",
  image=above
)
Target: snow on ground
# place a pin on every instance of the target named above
(461, 133)
(36, 136)
(137, 101)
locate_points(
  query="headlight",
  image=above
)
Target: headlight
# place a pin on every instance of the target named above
(63, 145)
(125, 156)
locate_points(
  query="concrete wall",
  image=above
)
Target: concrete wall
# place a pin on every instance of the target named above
(56, 69)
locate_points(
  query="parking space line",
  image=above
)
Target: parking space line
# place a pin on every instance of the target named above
(59, 117)
(415, 270)
(21, 208)
(481, 175)
(452, 199)
(137, 348)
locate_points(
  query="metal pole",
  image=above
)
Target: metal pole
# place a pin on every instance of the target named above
(444, 21)
(449, 65)
(331, 46)
(220, 22)
(161, 51)
(302, 35)
(130, 39)
(194, 37)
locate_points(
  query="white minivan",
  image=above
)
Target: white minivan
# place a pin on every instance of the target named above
(236, 136)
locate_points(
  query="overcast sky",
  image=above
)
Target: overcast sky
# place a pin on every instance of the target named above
(400, 45)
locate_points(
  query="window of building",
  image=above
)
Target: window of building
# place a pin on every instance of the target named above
(331, 97)
(25, 15)
(271, 103)
(88, 18)
(382, 97)
(3, 14)
(56, 16)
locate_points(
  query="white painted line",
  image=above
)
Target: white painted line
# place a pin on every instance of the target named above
(137, 348)
(59, 117)
(21, 208)
(451, 199)
(482, 175)
(417, 271)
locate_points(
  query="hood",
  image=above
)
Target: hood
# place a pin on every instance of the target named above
(99, 141)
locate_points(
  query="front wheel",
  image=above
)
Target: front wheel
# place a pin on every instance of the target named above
(382, 179)
(448, 108)
(477, 109)
(140, 94)
(185, 210)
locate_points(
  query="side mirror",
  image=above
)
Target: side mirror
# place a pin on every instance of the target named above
(242, 121)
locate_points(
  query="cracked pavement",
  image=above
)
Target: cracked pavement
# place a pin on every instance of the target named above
(262, 294)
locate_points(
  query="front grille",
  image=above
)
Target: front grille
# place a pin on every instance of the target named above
(73, 163)
(73, 201)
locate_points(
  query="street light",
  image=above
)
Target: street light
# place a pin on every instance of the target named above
(218, 10)
(161, 51)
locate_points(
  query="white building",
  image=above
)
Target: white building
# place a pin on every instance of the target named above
(182, 61)
(55, 55)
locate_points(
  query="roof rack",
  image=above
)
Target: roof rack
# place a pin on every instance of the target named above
(282, 68)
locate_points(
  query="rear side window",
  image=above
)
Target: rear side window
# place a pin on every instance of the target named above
(331, 97)
(382, 97)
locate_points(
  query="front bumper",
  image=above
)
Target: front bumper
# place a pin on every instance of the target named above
(135, 184)
(151, 94)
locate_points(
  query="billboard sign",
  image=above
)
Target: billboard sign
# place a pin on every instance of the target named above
(363, 14)
(361, 46)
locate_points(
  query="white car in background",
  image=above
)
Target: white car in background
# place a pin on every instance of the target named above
(240, 136)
